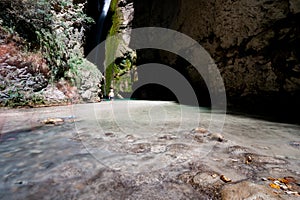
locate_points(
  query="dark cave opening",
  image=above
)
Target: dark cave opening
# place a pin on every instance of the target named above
(154, 92)
(183, 68)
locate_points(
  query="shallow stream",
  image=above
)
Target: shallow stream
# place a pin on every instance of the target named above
(136, 149)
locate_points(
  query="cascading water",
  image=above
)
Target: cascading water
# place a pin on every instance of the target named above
(103, 7)
(103, 10)
(101, 19)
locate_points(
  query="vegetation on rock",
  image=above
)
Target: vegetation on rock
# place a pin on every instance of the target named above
(41, 41)
(117, 50)
(112, 45)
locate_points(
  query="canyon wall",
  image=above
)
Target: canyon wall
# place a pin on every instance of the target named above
(255, 43)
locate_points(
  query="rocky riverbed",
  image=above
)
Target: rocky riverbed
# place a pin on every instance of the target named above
(145, 150)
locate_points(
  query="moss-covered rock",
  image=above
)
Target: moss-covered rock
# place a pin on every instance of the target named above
(119, 72)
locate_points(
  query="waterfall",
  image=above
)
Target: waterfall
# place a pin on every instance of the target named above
(99, 56)
(103, 8)
(101, 19)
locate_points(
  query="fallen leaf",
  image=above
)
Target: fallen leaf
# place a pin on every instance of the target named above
(273, 185)
(283, 180)
(290, 179)
(271, 179)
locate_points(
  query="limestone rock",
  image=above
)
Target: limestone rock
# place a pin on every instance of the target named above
(53, 95)
(87, 79)
(254, 43)
(247, 190)
(86, 95)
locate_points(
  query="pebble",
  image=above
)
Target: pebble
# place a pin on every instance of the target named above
(214, 175)
(283, 187)
(292, 192)
(35, 151)
(248, 159)
(276, 182)
(130, 138)
(225, 179)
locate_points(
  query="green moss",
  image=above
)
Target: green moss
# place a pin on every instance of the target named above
(112, 45)
(122, 65)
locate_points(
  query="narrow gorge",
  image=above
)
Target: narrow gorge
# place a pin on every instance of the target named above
(148, 99)
(255, 45)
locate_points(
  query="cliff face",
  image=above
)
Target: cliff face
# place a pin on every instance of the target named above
(255, 43)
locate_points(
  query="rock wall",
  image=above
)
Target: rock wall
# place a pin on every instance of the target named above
(42, 55)
(255, 43)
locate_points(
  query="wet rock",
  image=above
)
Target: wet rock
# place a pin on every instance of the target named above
(204, 183)
(247, 190)
(216, 137)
